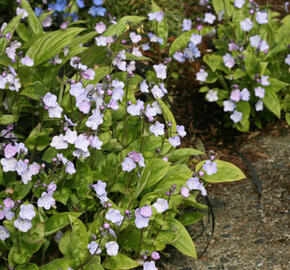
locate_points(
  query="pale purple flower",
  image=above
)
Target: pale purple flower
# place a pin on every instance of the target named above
(114, 216)
(58, 142)
(27, 61)
(112, 248)
(82, 143)
(262, 17)
(113, 104)
(94, 248)
(179, 56)
(27, 211)
(158, 16)
(95, 142)
(233, 46)
(137, 157)
(229, 61)
(77, 89)
(135, 109)
(245, 94)
(174, 141)
(201, 75)
(149, 266)
(128, 165)
(181, 130)
(8, 165)
(21, 167)
(160, 71)
(144, 87)
(4, 233)
(10, 151)
(259, 106)
(186, 25)
(50, 100)
(46, 201)
(23, 225)
(21, 11)
(264, 80)
(239, 3)
(8, 203)
(88, 74)
(184, 192)
(145, 47)
(159, 91)
(259, 92)
(135, 37)
(95, 120)
(236, 116)
(46, 22)
(100, 188)
(161, 205)
(255, 41)
(246, 24)
(212, 96)
(157, 129)
(209, 18)
(101, 41)
(70, 136)
(9, 215)
(287, 59)
(236, 95)
(51, 188)
(229, 105)
(34, 168)
(136, 51)
(195, 39)
(210, 167)
(155, 255)
(70, 168)
(193, 183)
(140, 221)
(100, 27)
(146, 211)
(264, 47)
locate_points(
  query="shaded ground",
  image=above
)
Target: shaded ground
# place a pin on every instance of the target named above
(250, 232)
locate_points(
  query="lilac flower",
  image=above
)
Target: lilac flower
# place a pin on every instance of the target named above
(100, 189)
(8, 203)
(9, 215)
(95, 120)
(186, 25)
(70, 168)
(229, 61)
(158, 16)
(88, 74)
(98, 2)
(140, 221)
(58, 142)
(135, 109)
(236, 116)
(27, 61)
(195, 39)
(184, 192)
(100, 27)
(174, 141)
(193, 183)
(160, 71)
(114, 216)
(161, 205)
(136, 51)
(50, 100)
(145, 47)
(259, 106)
(246, 24)
(4, 233)
(11, 50)
(233, 46)
(157, 129)
(128, 165)
(236, 95)
(46, 22)
(245, 94)
(262, 17)
(135, 37)
(149, 266)
(23, 225)
(212, 96)
(210, 167)
(94, 248)
(46, 201)
(201, 75)
(70, 136)
(112, 248)
(178, 56)
(155, 255)
(259, 92)
(264, 80)
(287, 59)
(8, 165)
(97, 11)
(229, 106)
(34, 168)
(209, 18)
(27, 211)
(55, 112)
(264, 47)
(181, 130)
(101, 41)
(51, 188)
(158, 91)
(239, 3)
(146, 211)
(255, 41)
(21, 11)
(95, 142)
(82, 143)
(10, 151)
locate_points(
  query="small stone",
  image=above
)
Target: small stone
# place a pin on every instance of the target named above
(225, 235)
(259, 241)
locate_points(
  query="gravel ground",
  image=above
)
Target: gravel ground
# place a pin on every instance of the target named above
(250, 232)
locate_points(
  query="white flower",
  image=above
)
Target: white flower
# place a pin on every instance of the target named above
(144, 87)
(94, 248)
(229, 61)
(264, 80)
(209, 18)
(201, 75)
(160, 71)
(136, 51)
(46, 200)
(95, 120)
(181, 130)
(4, 233)
(255, 41)
(82, 143)
(70, 168)
(196, 39)
(239, 3)
(70, 136)
(95, 142)
(58, 142)
(27, 61)
(134, 37)
(158, 91)
(157, 129)
(245, 94)
(140, 221)
(112, 248)
(27, 211)
(174, 141)
(264, 46)
(229, 105)
(236, 116)
(115, 216)
(128, 165)
(259, 92)
(262, 17)
(246, 24)
(101, 41)
(8, 164)
(21, 11)
(212, 96)
(186, 25)
(161, 205)
(287, 59)
(55, 112)
(100, 27)
(23, 225)
(259, 106)
(149, 266)
(50, 100)
(100, 188)
(135, 109)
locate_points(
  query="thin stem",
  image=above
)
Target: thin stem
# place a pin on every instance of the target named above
(142, 133)
(141, 242)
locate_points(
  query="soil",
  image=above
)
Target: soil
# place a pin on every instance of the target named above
(251, 231)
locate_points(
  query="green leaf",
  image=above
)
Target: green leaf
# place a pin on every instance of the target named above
(22, 190)
(223, 5)
(51, 44)
(287, 117)
(168, 117)
(35, 92)
(63, 263)
(272, 102)
(30, 266)
(33, 21)
(23, 32)
(120, 262)
(94, 264)
(62, 195)
(226, 172)
(251, 63)
(100, 73)
(184, 242)
(244, 124)
(7, 119)
(58, 221)
(215, 62)
(184, 152)
(83, 179)
(190, 218)
(276, 85)
(10, 28)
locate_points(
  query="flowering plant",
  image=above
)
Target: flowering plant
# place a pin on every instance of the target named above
(249, 64)
(90, 175)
